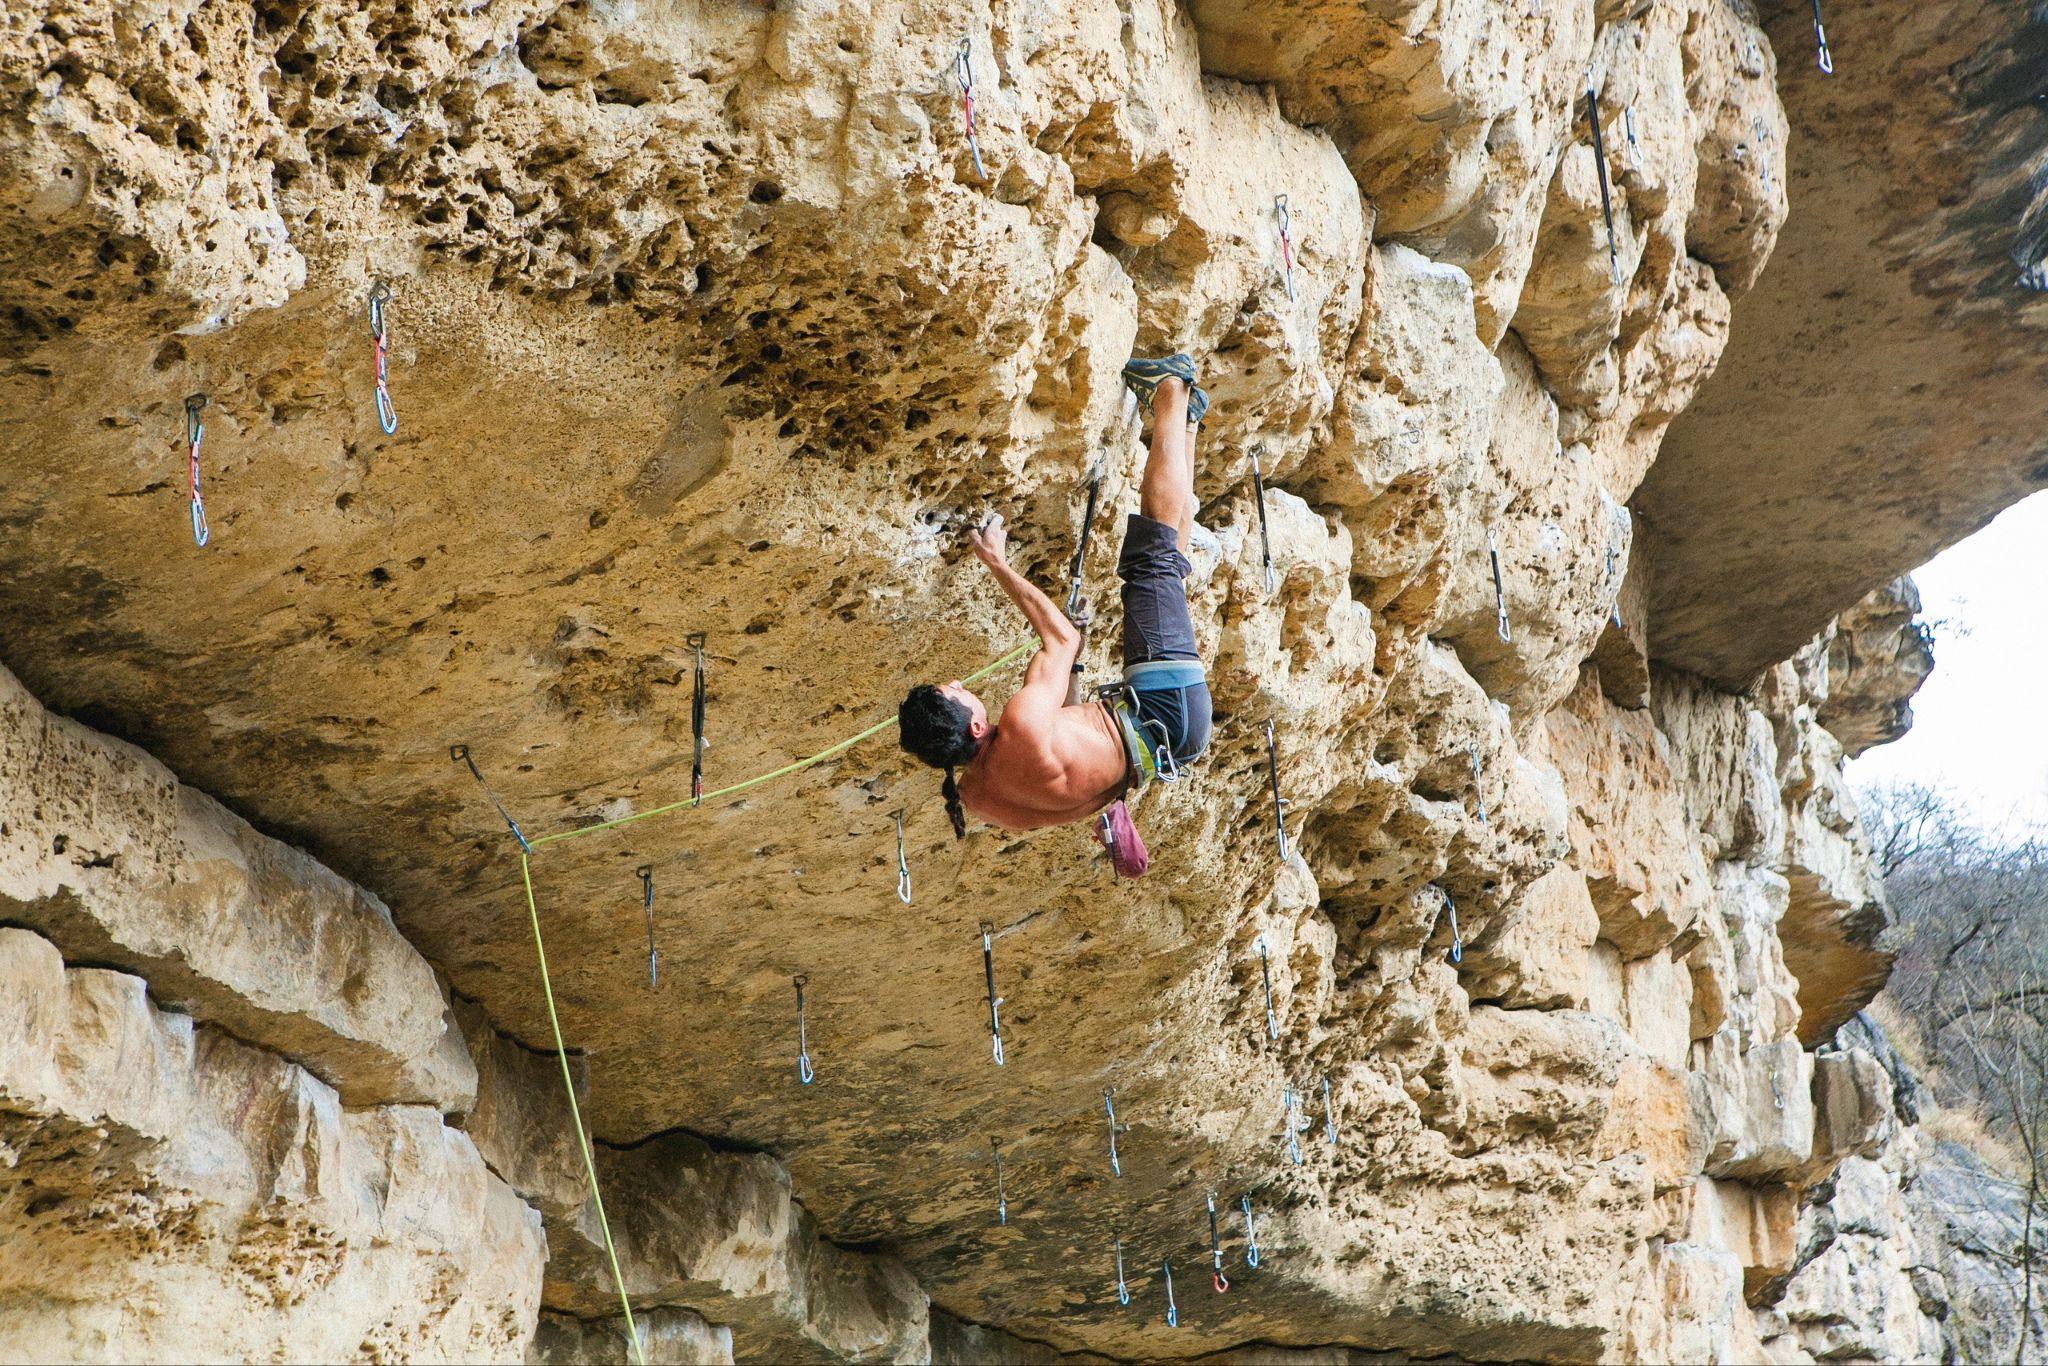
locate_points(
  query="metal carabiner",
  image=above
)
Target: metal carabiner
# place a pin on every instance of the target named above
(1216, 1276)
(1251, 1234)
(1116, 1166)
(195, 432)
(1824, 58)
(387, 416)
(1457, 939)
(1289, 1119)
(1286, 241)
(804, 1070)
(995, 1002)
(1002, 1200)
(963, 72)
(1265, 538)
(460, 754)
(1280, 803)
(1606, 195)
(1628, 129)
(1329, 1128)
(1095, 478)
(645, 872)
(902, 863)
(1478, 793)
(1123, 1291)
(1172, 1310)
(1266, 972)
(698, 744)
(1500, 592)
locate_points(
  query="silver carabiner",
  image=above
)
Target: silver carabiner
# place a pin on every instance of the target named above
(1251, 1234)
(645, 872)
(1450, 908)
(804, 1071)
(1172, 1310)
(1478, 794)
(1286, 242)
(1116, 1167)
(1289, 1101)
(1500, 593)
(195, 432)
(1824, 58)
(902, 863)
(1329, 1125)
(995, 1002)
(1216, 1276)
(1266, 971)
(1002, 1200)
(1123, 1291)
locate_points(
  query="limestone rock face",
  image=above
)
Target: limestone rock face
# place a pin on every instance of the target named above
(173, 1193)
(1877, 659)
(712, 318)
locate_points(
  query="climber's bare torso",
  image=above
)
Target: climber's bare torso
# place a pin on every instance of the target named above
(1045, 765)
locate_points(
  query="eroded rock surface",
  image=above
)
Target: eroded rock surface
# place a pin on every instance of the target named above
(704, 319)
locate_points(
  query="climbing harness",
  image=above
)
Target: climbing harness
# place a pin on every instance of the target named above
(1478, 796)
(1087, 527)
(1251, 1235)
(1290, 1118)
(460, 754)
(963, 72)
(1216, 1276)
(1116, 1167)
(1450, 908)
(1606, 197)
(1280, 803)
(1002, 1200)
(1123, 1292)
(387, 416)
(995, 1002)
(645, 872)
(1824, 58)
(902, 863)
(195, 431)
(698, 744)
(1172, 1310)
(1266, 970)
(1146, 743)
(1500, 593)
(1329, 1130)
(1628, 129)
(1286, 242)
(804, 1071)
(1265, 540)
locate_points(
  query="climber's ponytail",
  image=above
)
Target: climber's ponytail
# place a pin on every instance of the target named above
(950, 790)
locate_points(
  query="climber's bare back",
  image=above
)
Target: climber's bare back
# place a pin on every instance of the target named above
(1047, 763)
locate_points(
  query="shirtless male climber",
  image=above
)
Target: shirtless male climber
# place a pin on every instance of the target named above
(1054, 757)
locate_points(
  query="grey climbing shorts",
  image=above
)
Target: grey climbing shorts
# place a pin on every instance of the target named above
(1160, 663)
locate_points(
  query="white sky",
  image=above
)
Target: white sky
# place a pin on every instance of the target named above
(1980, 724)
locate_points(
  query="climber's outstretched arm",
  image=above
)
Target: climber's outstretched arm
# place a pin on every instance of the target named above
(1061, 638)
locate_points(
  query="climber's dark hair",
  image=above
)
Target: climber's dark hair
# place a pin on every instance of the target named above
(934, 728)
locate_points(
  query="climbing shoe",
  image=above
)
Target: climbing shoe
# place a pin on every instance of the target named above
(1142, 376)
(1198, 403)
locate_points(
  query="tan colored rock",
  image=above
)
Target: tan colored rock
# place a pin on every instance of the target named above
(106, 854)
(1628, 827)
(1623, 653)
(1728, 760)
(1690, 1308)
(668, 1337)
(1878, 656)
(1537, 959)
(1754, 1224)
(1659, 1113)
(1760, 1107)
(1852, 1105)
(520, 1122)
(171, 1193)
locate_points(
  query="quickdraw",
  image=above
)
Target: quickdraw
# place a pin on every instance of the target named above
(460, 754)
(1266, 971)
(1251, 1235)
(195, 432)
(1606, 196)
(1123, 1291)
(902, 863)
(995, 1002)
(1172, 1310)
(1450, 908)
(1478, 795)
(1329, 1130)
(1286, 242)
(1216, 1276)
(1116, 1166)
(1002, 1200)
(1279, 802)
(1087, 527)
(1500, 594)
(963, 72)
(804, 1071)
(1291, 1119)
(698, 744)
(1823, 58)
(1628, 129)
(1265, 539)
(645, 872)
(387, 416)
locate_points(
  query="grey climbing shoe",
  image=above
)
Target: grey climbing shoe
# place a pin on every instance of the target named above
(1198, 403)
(1142, 376)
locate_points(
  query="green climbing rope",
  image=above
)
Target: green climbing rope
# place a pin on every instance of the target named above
(547, 985)
(830, 752)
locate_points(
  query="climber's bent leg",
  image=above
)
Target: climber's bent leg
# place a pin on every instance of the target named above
(1161, 667)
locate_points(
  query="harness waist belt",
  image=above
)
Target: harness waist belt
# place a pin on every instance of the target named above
(1163, 675)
